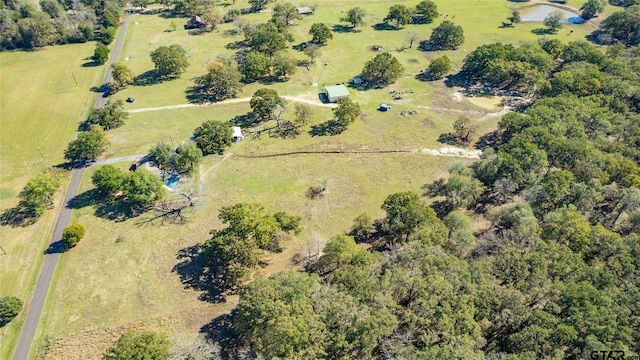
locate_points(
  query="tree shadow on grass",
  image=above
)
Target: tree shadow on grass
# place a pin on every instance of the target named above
(458, 80)
(344, 29)
(196, 95)
(542, 31)
(150, 77)
(87, 198)
(436, 188)
(18, 216)
(385, 26)
(118, 210)
(114, 209)
(245, 120)
(91, 63)
(221, 330)
(300, 47)
(489, 140)
(195, 273)
(328, 128)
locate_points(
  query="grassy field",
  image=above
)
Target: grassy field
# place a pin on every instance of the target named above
(128, 274)
(123, 273)
(43, 95)
(341, 59)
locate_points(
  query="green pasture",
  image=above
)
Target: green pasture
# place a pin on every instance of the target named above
(43, 96)
(122, 273)
(342, 58)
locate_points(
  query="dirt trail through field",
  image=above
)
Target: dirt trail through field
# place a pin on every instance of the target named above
(299, 99)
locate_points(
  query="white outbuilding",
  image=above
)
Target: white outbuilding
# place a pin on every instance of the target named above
(237, 133)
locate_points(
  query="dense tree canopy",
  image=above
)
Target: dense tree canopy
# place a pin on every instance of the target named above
(187, 157)
(110, 116)
(38, 193)
(321, 33)
(10, 307)
(554, 21)
(592, 8)
(257, 5)
(439, 67)
(72, 235)
(142, 187)
(624, 26)
(425, 12)
(355, 16)
(122, 76)
(399, 13)
(536, 255)
(285, 12)
(161, 154)
(447, 36)
(88, 146)
(221, 82)
(234, 252)
(382, 70)
(108, 180)
(212, 137)
(266, 104)
(100, 54)
(170, 61)
(268, 38)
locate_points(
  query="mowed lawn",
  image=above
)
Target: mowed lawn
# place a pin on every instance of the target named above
(122, 275)
(40, 107)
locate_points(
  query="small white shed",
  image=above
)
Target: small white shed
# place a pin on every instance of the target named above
(237, 133)
(304, 10)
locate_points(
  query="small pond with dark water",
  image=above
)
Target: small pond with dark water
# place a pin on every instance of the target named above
(539, 12)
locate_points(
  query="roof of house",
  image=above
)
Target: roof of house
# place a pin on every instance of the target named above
(195, 19)
(337, 91)
(304, 10)
(237, 132)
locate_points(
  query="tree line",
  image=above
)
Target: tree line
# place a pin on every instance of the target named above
(23, 26)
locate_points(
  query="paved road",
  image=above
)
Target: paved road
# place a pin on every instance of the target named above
(44, 281)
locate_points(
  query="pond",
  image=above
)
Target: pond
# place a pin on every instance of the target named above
(539, 12)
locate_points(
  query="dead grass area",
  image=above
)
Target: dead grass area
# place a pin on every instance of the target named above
(92, 343)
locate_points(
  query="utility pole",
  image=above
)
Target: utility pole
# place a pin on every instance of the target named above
(74, 78)
(40, 152)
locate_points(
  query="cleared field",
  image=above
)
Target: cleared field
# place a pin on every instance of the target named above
(43, 95)
(342, 58)
(123, 274)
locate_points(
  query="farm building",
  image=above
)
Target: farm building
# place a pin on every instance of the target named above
(336, 92)
(195, 22)
(304, 10)
(237, 133)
